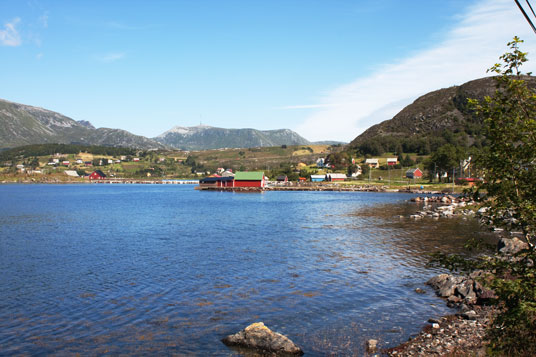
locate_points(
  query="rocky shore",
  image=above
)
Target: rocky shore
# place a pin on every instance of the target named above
(461, 334)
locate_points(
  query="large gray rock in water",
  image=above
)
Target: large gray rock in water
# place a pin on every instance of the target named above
(260, 337)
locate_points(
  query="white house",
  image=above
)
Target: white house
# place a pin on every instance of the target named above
(375, 163)
(391, 161)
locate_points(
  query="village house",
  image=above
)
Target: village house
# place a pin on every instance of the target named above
(282, 178)
(320, 162)
(373, 163)
(249, 179)
(414, 173)
(335, 177)
(217, 181)
(318, 178)
(65, 163)
(136, 159)
(71, 173)
(97, 175)
(79, 161)
(392, 161)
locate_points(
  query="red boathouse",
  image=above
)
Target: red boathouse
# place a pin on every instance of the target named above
(249, 179)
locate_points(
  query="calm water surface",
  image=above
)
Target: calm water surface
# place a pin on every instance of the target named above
(165, 269)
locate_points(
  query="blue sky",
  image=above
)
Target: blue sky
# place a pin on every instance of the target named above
(328, 69)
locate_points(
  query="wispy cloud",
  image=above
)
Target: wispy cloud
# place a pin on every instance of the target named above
(110, 57)
(43, 20)
(471, 46)
(9, 36)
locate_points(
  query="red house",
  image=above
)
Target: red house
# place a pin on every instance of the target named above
(414, 173)
(249, 179)
(336, 177)
(217, 181)
(97, 175)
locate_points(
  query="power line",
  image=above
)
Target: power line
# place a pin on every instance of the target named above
(528, 3)
(525, 14)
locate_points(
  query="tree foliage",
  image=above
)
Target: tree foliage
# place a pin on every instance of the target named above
(508, 162)
(509, 193)
(445, 159)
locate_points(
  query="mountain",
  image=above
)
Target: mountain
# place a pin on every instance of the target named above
(204, 137)
(434, 118)
(23, 125)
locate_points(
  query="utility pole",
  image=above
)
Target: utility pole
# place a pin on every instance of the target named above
(453, 173)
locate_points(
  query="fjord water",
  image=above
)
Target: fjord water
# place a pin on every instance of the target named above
(165, 269)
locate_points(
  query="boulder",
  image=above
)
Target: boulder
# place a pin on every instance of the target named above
(511, 246)
(372, 346)
(258, 336)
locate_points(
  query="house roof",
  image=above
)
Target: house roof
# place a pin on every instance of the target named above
(281, 177)
(318, 176)
(215, 179)
(412, 171)
(337, 176)
(371, 161)
(100, 173)
(392, 159)
(249, 176)
(71, 173)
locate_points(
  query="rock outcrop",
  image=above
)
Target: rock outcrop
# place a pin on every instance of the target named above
(458, 290)
(258, 336)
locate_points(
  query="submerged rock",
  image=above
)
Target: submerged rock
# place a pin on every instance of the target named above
(258, 336)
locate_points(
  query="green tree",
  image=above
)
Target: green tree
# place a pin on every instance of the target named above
(445, 159)
(507, 163)
(508, 191)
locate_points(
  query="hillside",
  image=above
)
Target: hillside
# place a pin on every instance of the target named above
(439, 116)
(24, 125)
(204, 137)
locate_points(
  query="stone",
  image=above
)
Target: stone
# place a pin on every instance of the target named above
(469, 315)
(258, 336)
(420, 291)
(372, 345)
(511, 246)
(435, 326)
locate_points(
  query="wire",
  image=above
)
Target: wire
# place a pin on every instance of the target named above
(528, 3)
(526, 16)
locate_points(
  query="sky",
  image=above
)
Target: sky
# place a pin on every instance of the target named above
(326, 69)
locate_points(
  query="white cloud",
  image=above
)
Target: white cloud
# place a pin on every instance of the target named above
(110, 57)
(9, 36)
(468, 49)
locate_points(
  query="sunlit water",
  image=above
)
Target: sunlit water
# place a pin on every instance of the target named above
(165, 269)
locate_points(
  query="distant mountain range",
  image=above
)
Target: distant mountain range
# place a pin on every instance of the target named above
(204, 137)
(24, 125)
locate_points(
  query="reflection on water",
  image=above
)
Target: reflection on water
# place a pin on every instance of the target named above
(165, 269)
